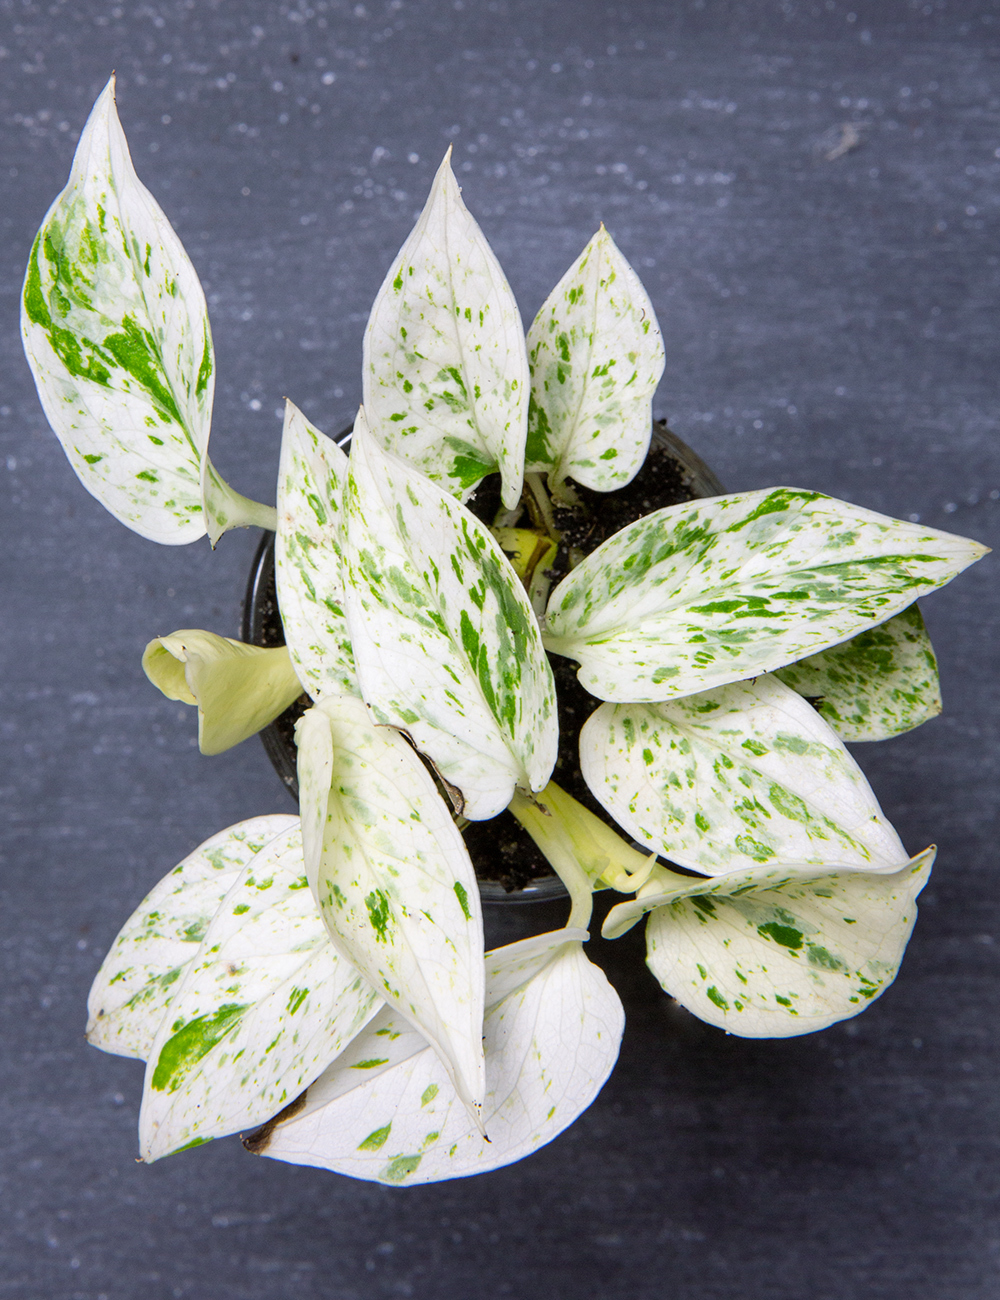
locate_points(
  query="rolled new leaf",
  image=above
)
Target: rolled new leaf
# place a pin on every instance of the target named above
(386, 1111)
(238, 688)
(263, 1008)
(771, 952)
(745, 774)
(445, 365)
(446, 644)
(596, 356)
(116, 333)
(881, 683)
(716, 590)
(308, 563)
(394, 880)
(146, 963)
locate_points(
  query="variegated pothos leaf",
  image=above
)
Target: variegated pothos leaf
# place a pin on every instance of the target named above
(716, 590)
(596, 356)
(385, 1111)
(447, 646)
(308, 564)
(264, 1007)
(445, 364)
(748, 773)
(395, 883)
(144, 966)
(879, 684)
(771, 962)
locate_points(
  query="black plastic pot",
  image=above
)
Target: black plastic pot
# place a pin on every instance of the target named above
(261, 625)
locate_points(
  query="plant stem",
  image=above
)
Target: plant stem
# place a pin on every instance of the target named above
(540, 505)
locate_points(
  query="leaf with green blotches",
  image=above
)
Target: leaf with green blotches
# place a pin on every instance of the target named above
(774, 952)
(263, 1008)
(552, 1031)
(117, 336)
(879, 684)
(307, 558)
(145, 965)
(745, 774)
(238, 688)
(596, 356)
(716, 590)
(446, 643)
(445, 366)
(384, 858)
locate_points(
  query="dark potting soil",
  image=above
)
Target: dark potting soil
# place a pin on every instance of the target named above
(500, 849)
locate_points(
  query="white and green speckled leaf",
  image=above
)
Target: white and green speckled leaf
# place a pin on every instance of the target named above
(445, 365)
(720, 589)
(446, 643)
(262, 1010)
(394, 881)
(141, 973)
(596, 356)
(552, 1032)
(238, 688)
(307, 558)
(116, 333)
(879, 684)
(798, 956)
(748, 773)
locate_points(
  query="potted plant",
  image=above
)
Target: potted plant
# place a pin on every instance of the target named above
(321, 978)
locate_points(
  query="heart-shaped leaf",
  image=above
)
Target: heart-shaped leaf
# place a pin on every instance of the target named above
(394, 881)
(264, 1007)
(552, 1032)
(307, 557)
(116, 333)
(770, 959)
(596, 356)
(879, 684)
(445, 365)
(748, 773)
(446, 643)
(144, 967)
(716, 590)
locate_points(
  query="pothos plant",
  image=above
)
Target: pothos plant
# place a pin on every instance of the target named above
(324, 975)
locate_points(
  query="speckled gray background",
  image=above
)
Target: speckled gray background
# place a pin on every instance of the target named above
(829, 322)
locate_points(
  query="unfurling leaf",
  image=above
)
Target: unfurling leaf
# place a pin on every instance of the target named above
(307, 558)
(394, 880)
(771, 958)
(721, 589)
(596, 357)
(264, 1007)
(385, 1110)
(145, 964)
(116, 333)
(445, 365)
(879, 684)
(748, 773)
(238, 688)
(447, 646)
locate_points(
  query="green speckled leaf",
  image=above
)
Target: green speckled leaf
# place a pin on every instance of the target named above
(144, 966)
(445, 365)
(879, 684)
(264, 1007)
(394, 881)
(798, 956)
(238, 688)
(116, 333)
(748, 773)
(307, 558)
(596, 356)
(552, 1031)
(446, 642)
(715, 590)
